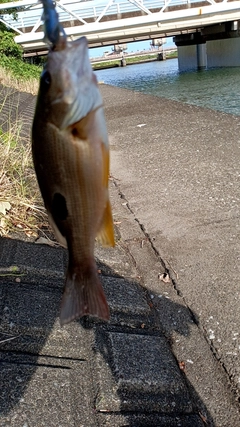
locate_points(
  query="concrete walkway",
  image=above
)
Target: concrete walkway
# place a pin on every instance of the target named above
(154, 363)
(177, 167)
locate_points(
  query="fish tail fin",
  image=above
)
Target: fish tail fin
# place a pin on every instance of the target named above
(83, 294)
(106, 233)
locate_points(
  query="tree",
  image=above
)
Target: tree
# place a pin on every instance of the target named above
(8, 46)
(9, 10)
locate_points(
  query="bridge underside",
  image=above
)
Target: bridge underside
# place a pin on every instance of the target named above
(213, 46)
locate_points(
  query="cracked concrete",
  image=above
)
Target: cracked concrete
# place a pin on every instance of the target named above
(179, 177)
(167, 270)
(181, 325)
(208, 380)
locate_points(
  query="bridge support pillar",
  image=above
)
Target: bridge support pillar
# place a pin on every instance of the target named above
(161, 56)
(217, 45)
(223, 53)
(192, 57)
(192, 53)
(213, 53)
(187, 58)
(201, 56)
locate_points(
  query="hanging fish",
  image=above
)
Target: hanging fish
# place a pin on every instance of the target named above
(71, 159)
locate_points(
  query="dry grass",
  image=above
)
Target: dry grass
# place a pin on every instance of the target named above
(6, 79)
(18, 186)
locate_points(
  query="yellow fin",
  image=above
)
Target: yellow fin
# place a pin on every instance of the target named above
(106, 233)
(105, 156)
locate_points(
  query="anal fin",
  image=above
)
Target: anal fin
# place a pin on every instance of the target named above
(106, 232)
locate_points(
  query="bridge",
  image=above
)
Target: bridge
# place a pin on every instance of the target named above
(107, 22)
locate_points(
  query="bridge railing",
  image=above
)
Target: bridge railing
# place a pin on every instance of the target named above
(27, 17)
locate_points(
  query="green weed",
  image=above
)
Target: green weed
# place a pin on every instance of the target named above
(21, 206)
(19, 75)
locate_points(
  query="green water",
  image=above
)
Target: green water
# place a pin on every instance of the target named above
(218, 89)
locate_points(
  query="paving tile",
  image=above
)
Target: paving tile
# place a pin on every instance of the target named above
(27, 307)
(115, 261)
(44, 393)
(127, 301)
(34, 260)
(146, 420)
(138, 373)
(29, 322)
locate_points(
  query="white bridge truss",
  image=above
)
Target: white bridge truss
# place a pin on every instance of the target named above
(106, 22)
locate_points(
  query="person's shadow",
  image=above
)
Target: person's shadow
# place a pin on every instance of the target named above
(128, 364)
(139, 363)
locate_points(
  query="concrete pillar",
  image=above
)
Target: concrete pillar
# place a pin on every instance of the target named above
(187, 58)
(201, 56)
(223, 53)
(123, 62)
(161, 56)
(192, 57)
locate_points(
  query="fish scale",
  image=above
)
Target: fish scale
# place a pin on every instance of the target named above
(71, 159)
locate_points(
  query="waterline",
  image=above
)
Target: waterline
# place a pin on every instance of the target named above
(218, 89)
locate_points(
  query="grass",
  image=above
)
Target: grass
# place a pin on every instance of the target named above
(173, 54)
(116, 62)
(131, 60)
(21, 206)
(19, 190)
(19, 75)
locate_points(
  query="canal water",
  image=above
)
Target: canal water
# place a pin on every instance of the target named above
(218, 89)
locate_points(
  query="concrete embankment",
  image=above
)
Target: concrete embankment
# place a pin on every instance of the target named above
(176, 167)
(167, 356)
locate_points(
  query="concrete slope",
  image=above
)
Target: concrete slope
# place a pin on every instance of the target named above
(177, 168)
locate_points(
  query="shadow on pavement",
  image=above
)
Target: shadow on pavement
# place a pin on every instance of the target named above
(146, 377)
(125, 370)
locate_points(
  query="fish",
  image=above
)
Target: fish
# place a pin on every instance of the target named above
(70, 152)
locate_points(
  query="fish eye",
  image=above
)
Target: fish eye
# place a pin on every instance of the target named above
(46, 78)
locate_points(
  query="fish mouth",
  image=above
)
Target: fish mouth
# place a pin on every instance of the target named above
(77, 92)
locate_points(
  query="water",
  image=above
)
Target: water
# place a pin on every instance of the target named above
(218, 89)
